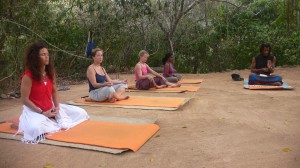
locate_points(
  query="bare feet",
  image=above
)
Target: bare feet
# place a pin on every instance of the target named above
(88, 99)
(160, 86)
(123, 98)
(175, 85)
(111, 100)
(131, 87)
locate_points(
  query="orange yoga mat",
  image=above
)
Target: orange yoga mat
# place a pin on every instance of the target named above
(179, 89)
(142, 101)
(6, 127)
(108, 134)
(105, 134)
(261, 87)
(191, 81)
(284, 86)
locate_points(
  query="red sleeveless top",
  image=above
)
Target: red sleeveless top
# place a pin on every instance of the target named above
(40, 93)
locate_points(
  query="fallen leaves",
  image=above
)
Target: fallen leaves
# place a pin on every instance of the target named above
(286, 149)
(48, 165)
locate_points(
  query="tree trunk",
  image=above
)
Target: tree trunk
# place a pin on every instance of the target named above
(205, 14)
(196, 63)
(169, 43)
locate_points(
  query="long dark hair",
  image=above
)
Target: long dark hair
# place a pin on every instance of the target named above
(165, 59)
(265, 45)
(32, 61)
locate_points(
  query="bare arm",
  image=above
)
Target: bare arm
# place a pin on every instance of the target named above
(54, 94)
(26, 85)
(274, 62)
(91, 75)
(258, 71)
(109, 80)
(153, 72)
(271, 65)
(138, 70)
(174, 69)
(166, 69)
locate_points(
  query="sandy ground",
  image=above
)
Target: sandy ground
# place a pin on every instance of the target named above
(223, 125)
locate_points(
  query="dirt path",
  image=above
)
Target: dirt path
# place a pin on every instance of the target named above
(223, 125)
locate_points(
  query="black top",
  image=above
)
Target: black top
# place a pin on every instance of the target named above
(262, 61)
(99, 79)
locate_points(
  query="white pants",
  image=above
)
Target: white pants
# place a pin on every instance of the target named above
(35, 125)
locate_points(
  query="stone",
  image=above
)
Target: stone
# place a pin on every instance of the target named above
(4, 96)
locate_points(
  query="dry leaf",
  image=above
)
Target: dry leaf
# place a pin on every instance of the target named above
(48, 165)
(286, 150)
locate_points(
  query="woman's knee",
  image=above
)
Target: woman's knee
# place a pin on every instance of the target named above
(144, 84)
(70, 109)
(34, 127)
(121, 85)
(159, 81)
(110, 91)
(173, 79)
(178, 77)
(121, 89)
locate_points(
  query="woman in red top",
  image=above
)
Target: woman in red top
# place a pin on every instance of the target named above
(42, 112)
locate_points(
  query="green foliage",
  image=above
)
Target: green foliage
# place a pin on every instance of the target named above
(211, 37)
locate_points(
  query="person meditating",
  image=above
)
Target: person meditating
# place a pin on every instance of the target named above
(42, 113)
(169, 71)
(101, 86)
(144, 80)
(262, 67)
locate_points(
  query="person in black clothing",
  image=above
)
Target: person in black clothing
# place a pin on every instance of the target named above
(264, 63)
(262, 67)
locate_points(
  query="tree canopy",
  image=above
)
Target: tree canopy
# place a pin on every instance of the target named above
(205, 35)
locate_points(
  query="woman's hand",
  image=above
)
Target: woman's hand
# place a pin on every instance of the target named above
(108, 83)
(56, 109)
(149, 77)
(125, 81)
(51, 113)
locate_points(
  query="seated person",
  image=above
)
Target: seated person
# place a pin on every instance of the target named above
(262, 66)
(169, 71)
(101, 87)
(42, 112)
(144, 81)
